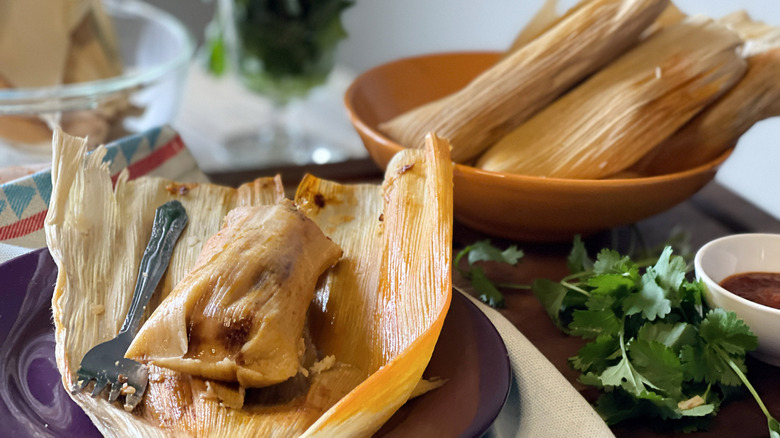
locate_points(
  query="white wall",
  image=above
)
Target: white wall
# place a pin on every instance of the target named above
(382, 30)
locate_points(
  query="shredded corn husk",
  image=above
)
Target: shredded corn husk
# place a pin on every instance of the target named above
(611, 120)
(521, 84)
(386, 301)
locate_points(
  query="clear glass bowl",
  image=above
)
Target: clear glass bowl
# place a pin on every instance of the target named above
(155, 48)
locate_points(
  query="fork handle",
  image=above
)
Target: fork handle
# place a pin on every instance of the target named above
(169, 222)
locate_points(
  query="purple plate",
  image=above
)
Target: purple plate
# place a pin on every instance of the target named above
(469, 354)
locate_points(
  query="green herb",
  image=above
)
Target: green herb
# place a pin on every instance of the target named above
(484, 251)
(656, 349)
(284, 47)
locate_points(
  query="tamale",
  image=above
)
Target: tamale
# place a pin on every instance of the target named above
(756, 97)
(510, 92)
(394, 296)
(720, 125)
(239, 314)
(611, 120)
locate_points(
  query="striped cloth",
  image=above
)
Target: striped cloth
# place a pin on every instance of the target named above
(24, 202)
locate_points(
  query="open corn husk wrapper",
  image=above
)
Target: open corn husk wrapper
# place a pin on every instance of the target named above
(378, 312)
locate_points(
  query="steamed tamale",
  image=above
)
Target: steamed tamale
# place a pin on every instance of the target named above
(611, 120)
(239, 314)
(507, 94)
(385, 301)
(719, 126)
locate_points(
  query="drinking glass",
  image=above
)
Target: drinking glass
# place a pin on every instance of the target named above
(281, 50)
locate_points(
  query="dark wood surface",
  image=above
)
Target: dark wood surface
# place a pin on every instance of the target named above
(713, 212)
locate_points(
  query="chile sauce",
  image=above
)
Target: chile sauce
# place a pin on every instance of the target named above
(759, 287)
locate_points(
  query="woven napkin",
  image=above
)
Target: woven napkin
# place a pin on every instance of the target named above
(24, 202)
(541, 402)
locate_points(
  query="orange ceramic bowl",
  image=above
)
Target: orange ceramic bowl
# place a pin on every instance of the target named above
(506, 205)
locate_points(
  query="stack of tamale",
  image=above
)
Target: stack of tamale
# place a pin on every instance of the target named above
(613, 88)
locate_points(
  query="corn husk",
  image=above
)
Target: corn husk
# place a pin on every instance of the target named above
(756, 97)
(718, 127)
(671, 15)
(545, 18)
(611, 120)
(759, 37)
(386, 302)
(518, 86)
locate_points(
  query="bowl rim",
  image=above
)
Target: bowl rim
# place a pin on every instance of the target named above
(705, 277)
(126, 80)
(384, 141)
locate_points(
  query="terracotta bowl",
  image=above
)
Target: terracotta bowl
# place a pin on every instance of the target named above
(506, 205)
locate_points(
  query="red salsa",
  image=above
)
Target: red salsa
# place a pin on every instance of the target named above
(759, 287)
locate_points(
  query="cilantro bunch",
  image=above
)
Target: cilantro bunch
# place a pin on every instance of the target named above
(656, 349)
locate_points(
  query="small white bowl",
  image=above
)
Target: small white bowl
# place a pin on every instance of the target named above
(751, 252)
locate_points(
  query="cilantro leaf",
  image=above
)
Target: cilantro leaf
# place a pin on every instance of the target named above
(672, 335)
(659, 364)
(703, 363)
(728, 332)
(590, 324)
(610, 261)
(551, 295)
(485, 251)
(487, 291)
(669, 270)
(650, 301)
(596, 355)
(774, 428)
(613, 284)
(624, 375)
(578, 260)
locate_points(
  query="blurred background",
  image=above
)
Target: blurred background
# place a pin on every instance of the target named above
(383, 30)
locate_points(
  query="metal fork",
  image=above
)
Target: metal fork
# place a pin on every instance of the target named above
(105, 363)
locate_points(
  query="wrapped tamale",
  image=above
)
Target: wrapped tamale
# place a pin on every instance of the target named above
(511, 91)
(239, 314)
(607, 123)
(373, 323)
(721, 124)
(718, 127)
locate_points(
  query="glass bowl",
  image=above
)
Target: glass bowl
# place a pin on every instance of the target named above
(155, 48)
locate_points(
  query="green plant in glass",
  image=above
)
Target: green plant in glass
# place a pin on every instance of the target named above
(280, 49)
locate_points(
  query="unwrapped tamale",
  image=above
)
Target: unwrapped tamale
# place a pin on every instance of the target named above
(239, 314)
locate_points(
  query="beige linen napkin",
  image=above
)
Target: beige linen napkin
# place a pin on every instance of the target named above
(541, 403)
